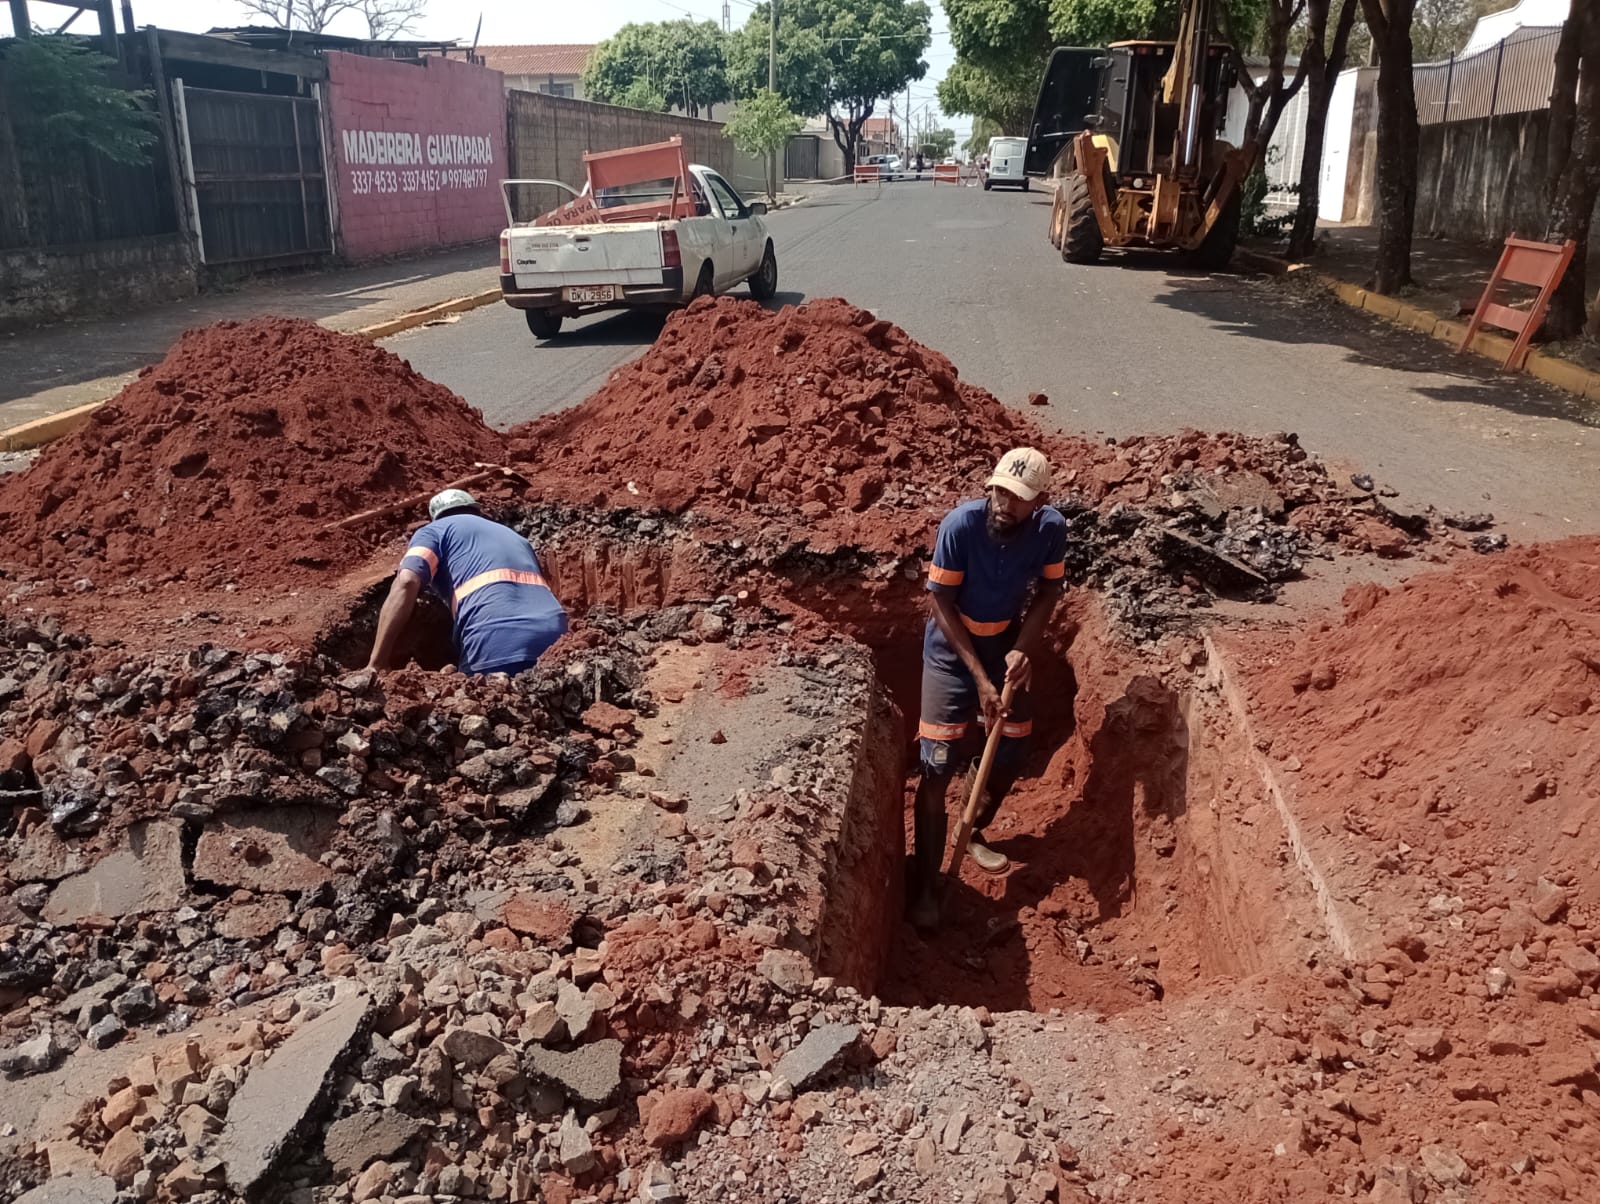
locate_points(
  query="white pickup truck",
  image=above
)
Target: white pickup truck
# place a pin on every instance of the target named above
(648, 231)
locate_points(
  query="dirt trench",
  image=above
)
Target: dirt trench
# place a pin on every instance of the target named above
(1147, 860)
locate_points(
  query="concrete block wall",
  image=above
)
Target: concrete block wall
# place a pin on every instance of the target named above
(100, 279)
(549, 135)
(1483, 179)
(417, 152)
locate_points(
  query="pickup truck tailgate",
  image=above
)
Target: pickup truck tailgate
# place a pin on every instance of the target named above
(542, 256)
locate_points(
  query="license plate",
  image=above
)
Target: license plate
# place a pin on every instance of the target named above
(584, 294)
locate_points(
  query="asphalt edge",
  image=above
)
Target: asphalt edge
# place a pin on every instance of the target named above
(1552, 370)
(41, 431)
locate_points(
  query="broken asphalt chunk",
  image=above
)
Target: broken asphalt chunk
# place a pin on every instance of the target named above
(590, 1076)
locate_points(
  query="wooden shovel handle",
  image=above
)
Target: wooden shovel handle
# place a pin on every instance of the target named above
(969, 814)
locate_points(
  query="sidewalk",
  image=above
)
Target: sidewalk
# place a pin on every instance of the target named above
(60, 367)
(1447, 275)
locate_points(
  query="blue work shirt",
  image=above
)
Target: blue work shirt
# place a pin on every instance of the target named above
(505, 614)
(989, 578)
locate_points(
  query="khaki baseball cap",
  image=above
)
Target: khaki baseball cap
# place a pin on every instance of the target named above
(1023, 471)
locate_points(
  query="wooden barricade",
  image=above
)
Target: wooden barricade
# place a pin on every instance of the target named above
(867, 173)
(947, 173)
(1537, 264)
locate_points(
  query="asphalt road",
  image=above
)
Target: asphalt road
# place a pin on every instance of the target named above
(1132, 344)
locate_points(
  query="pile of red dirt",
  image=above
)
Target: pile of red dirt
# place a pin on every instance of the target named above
(228, 461)
(820, 414)
(1458, 713)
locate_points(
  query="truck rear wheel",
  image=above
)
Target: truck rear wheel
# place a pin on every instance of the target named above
(543, 323)
(706, 284)
(1081, 241)
(1216, 252)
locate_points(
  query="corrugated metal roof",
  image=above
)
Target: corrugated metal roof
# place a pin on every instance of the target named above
(560, 59)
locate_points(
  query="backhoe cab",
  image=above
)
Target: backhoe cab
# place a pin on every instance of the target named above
(1129, 135)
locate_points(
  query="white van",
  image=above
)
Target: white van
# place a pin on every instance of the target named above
(1005, 163)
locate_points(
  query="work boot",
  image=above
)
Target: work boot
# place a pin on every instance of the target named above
(990, 861)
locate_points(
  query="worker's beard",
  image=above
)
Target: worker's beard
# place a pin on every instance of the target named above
(1000, 526)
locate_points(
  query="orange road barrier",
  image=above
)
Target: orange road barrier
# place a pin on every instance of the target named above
(1538, 264)
(947, 173)
(867, 173)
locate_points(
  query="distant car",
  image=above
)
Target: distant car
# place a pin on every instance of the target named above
(889, 167)
(1005, 163)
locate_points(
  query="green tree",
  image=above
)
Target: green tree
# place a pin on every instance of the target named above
(938, 143)
(645, 94)
(978, 141)
(61, 99)
(762, 125)
(1002, 97)
(845, 56)
(682, 63)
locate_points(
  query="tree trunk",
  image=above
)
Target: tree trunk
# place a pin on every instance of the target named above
(1322, 72)
(1398, 139)
(1577, 182)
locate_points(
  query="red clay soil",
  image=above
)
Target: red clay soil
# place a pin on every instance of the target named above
(818, 415)
(1458, 713)
(227, 461)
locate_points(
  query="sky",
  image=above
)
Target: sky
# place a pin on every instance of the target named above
(510, 21)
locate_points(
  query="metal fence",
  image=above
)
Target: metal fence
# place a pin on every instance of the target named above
(1514, 75)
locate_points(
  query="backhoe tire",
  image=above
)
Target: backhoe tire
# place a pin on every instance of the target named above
(543, 323)
(1081, 241)
(1216, 252)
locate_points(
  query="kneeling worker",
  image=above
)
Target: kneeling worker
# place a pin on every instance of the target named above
(504, 612)
(989, 554)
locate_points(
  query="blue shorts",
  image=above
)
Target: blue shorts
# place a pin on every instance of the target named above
(950, 704)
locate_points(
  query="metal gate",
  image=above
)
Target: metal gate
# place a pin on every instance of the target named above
(253, 166)
(800, 158)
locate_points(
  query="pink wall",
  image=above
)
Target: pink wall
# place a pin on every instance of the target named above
(418, 150)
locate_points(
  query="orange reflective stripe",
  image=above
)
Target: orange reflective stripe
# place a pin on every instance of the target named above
(493, 577)
(1054, 572)
(1017, 730)
(941, 576)
(424, 554)
(978, 628)
(941, 731)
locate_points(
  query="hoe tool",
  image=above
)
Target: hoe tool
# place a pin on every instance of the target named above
(969, 816)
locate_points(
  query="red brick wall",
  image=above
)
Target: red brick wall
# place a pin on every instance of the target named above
(419, 150)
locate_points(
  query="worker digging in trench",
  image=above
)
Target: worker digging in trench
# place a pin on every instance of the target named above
(503, 610)
(983, 631)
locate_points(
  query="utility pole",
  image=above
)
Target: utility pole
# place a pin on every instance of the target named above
(772, 86)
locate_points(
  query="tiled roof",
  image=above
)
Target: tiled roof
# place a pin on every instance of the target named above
(564, 59)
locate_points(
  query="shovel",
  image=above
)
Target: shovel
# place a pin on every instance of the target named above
(969, 816)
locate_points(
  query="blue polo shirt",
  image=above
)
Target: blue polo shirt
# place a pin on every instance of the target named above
(989, 578)
(505, 614)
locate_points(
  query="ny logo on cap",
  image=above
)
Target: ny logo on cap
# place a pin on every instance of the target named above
(1019, 466)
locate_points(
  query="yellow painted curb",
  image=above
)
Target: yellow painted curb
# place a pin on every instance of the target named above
(1551, 369)
(1417, 318)
(1384, 307)
(47, 429)
(421, 317)
(1563, 374)
(51, 427)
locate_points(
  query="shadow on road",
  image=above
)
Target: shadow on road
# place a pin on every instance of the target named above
(1275, 312)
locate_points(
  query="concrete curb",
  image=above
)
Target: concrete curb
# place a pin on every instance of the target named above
(1541, 365)
(51, 427)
